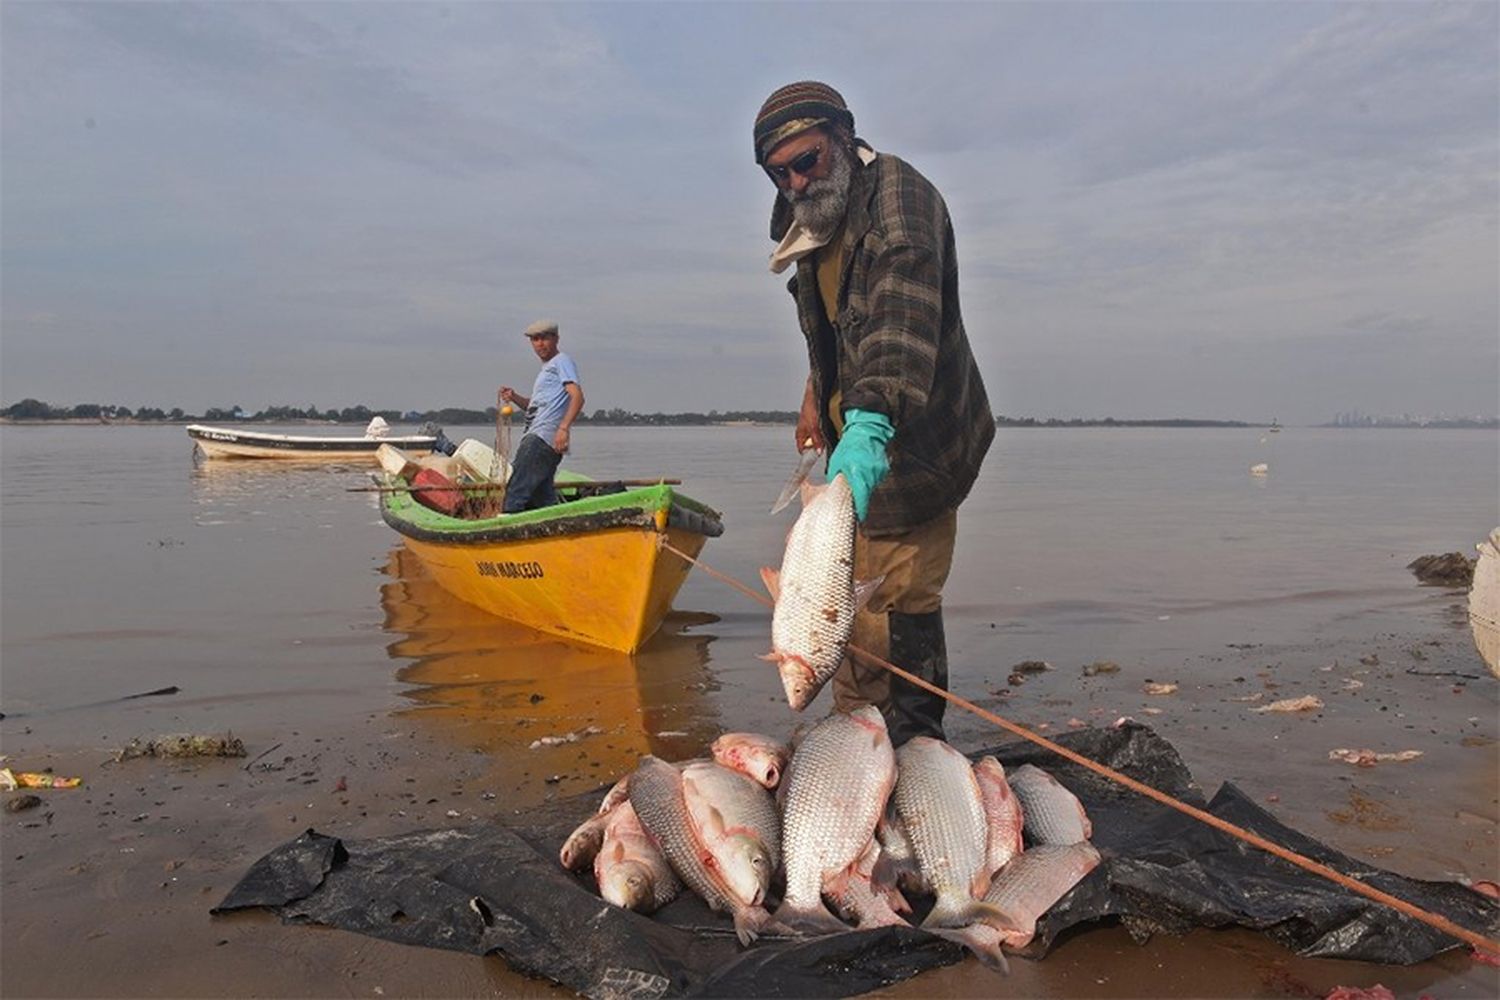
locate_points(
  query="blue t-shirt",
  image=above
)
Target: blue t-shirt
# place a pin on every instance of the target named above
(549, 400)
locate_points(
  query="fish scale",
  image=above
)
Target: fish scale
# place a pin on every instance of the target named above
(747, 841)
(1002, 811)
(814, 592)
(656, 794)
(630, 869)
(1051, 813)
(1034, 881)
(940, 806)
(835, 791)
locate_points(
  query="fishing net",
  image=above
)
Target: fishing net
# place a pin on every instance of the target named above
(499, 889)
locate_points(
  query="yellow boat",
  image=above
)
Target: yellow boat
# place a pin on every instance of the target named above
(592, 569)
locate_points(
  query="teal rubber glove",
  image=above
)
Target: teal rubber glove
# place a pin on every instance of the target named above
(860, 455)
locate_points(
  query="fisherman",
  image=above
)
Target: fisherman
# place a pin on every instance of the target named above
(556, 400)
(892, 384)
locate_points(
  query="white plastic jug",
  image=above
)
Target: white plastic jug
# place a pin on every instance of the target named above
(481, 462)
(395, 461)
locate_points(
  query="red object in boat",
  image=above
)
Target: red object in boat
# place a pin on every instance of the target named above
(442, 500)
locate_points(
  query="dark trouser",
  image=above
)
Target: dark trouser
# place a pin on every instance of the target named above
(531, 474)
(903, 623)
(918, 647)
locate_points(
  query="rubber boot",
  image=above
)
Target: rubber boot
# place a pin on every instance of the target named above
(918, 647)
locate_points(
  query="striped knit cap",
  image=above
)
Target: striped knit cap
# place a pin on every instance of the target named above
(796, 108)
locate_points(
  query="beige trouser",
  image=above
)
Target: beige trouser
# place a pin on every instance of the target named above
(915, 566)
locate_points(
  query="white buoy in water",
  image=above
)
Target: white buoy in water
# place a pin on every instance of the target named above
(1259, 469)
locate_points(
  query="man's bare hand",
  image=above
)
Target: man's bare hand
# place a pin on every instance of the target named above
(560, 441)
(809, 430)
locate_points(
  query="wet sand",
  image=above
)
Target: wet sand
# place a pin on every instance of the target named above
(106, 888)
(371, 704)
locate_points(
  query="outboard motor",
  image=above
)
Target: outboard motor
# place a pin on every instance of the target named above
(440, 443)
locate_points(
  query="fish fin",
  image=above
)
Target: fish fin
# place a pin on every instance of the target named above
(836, 883)
(980, 884)
(772, 579)
(1001, 920)
(583, 844)
(752, 921)
(714, 821)
(864, 590)
(983, 943)
(889, 871)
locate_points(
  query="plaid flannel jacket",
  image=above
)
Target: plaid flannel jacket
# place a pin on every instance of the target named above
(898, 346)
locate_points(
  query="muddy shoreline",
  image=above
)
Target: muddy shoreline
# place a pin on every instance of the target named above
(124, 870)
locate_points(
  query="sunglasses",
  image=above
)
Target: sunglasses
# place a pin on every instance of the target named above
(801, 166)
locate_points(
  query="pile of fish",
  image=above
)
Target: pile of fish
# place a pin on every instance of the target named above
(841, 833)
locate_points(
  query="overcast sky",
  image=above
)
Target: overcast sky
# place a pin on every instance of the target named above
(1238, 211)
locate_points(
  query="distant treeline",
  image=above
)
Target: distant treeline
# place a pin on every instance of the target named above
(36, 410)
(33, 409)
(1004, 421)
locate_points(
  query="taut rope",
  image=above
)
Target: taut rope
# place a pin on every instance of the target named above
(1370, 892)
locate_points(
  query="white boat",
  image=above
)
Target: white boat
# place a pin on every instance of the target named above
(233, 442)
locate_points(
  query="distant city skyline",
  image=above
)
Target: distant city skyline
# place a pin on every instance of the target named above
(1220, 211)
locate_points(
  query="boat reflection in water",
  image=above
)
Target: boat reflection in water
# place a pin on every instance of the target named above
(241, 488)
(497, 687)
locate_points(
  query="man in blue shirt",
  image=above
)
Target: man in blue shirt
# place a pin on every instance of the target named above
(556, 400)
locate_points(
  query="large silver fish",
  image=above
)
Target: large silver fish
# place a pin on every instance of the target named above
(656, 792)
(1053, 815)
(631, 871)
(737, 823)
(1002, 810)
(834, 792)
(938, 799)
(814, 592)
(1032, 884)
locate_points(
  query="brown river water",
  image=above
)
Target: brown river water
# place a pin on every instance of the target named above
(372, 703)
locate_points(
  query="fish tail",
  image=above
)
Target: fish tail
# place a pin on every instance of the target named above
(955, 909)
(814, 919)
(982, 941)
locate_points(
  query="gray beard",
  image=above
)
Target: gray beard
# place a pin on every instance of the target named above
(821, 206)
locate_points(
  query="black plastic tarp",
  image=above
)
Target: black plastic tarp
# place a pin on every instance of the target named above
(500, 889)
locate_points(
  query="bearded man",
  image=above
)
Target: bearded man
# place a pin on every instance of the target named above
(892, 384)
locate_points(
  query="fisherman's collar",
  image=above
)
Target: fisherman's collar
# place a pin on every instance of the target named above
(796, 240)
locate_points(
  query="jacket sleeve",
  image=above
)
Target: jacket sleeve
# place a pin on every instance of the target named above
(895, 352)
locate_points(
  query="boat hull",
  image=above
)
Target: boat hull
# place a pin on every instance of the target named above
(223, 442)
(592, 571)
